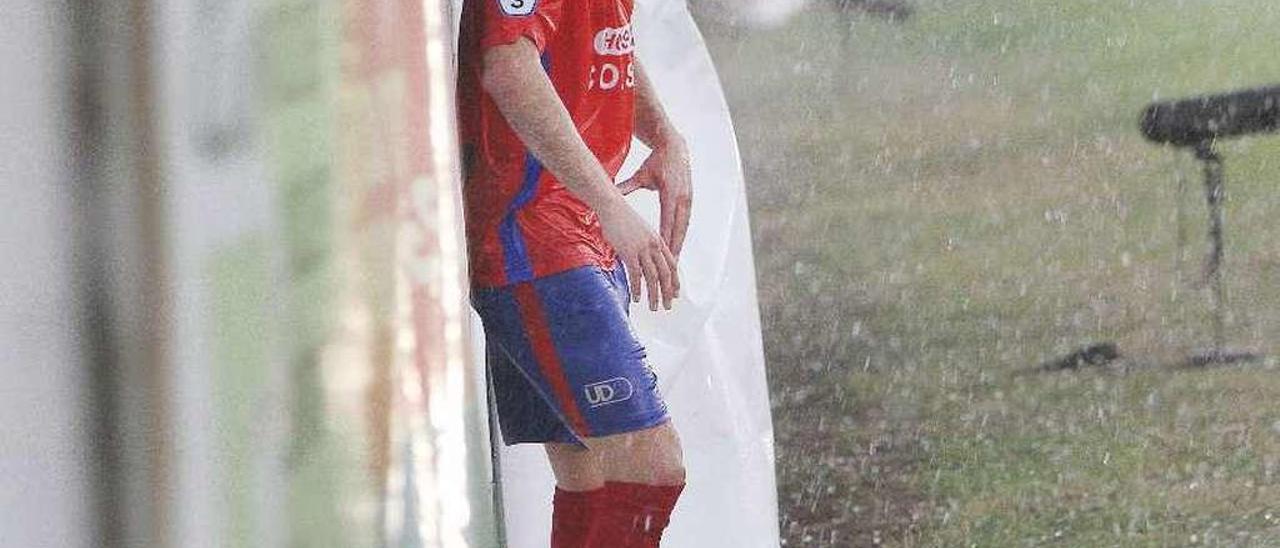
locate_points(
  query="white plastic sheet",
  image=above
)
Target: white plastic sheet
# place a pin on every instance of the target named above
(708, 352)
(754, 13)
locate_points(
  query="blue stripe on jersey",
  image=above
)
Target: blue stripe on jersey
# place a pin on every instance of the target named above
(515, 254)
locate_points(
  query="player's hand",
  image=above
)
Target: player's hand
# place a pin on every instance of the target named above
(645, 255)
(667, 171)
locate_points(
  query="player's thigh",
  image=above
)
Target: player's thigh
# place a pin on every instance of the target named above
(576, 468)
(651, 456)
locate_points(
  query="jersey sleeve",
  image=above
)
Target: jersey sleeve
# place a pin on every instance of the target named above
(505, 21)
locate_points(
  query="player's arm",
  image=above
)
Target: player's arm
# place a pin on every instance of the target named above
(667, 169)
(514, 78)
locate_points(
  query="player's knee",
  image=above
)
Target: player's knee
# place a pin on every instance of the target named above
(667, 459)
(669, 472)
(661, 466)
(652, 456)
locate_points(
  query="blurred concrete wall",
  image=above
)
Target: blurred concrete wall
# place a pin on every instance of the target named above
(44, 489)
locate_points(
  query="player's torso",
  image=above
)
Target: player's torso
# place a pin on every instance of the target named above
(593, 70)
(590, 61)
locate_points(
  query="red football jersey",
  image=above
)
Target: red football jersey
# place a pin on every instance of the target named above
(521, 222)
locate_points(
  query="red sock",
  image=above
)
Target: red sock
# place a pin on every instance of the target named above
(571, 517)
(633, 515)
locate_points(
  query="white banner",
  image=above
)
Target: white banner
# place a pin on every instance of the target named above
(708, 352)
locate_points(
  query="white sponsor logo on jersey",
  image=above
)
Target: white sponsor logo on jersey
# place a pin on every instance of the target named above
(617, 41)
(518, 7)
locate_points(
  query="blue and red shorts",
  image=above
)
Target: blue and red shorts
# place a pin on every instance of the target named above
(563, 361)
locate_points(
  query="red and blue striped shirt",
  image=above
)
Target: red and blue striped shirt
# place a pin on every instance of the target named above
(521, 222)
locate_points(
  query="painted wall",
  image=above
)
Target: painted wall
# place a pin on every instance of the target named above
(45, 495)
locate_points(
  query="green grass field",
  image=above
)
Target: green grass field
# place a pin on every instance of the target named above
(941, 205)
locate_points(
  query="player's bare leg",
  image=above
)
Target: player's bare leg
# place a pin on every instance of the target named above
(650, 457)
(630, 482)
(576, 468)
(579, 495)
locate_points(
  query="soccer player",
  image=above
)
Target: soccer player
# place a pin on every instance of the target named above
(550, 97)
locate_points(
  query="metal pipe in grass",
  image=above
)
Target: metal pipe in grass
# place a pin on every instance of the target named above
(1198, 120)
(1197, 124)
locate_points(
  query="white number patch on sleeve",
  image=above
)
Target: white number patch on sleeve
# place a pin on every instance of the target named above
(517, 7)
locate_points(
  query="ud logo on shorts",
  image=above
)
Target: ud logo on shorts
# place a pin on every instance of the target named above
(606, 392)
(518, 7)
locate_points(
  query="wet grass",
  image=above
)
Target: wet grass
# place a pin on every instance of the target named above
(941, 205)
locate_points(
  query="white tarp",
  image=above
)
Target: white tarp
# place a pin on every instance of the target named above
(754, 13)
(708, 352)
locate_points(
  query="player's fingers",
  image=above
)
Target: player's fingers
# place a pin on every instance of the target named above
(651, 280)
(673, 291)
(631, 185)
(666, 275)
(643, 178)
(633, 278)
